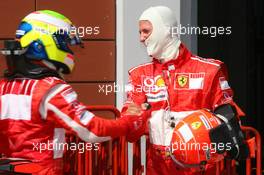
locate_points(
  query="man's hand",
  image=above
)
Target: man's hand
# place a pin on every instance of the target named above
(134, 109)
(138, 116)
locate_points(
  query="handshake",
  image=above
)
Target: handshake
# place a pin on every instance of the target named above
(137, 117)
(134, 109)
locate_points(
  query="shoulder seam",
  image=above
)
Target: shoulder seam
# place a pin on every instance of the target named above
(49, 95)
(144, 64)
(215, 64)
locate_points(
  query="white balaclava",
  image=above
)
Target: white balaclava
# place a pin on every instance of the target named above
(161, 44)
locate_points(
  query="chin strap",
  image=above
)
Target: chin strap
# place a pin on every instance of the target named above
(22, 67)
(229, 133)
(33, 74)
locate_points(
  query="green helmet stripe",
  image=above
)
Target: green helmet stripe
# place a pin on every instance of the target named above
(44, 23)
(56, 15)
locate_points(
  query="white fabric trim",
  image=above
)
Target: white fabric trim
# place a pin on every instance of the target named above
(161, 96)
(12, 87)
(16, 107)
(205, 122)
(81, 131)
(58, 142)
(21, 87)
(54, 91)
(86, 117)
(186, 133)
(224, 83)
(132, 69)
(182, 114)
(33, 87)
(196, 83)
(27, 85)
(2, 89)
(69, 95)
(160, 131)
(198, 59)
(48, 19)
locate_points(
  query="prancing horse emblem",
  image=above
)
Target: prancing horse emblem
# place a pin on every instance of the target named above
(182, 80)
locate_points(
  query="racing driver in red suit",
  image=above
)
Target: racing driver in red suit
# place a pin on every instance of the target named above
(175, 84)
(37, 105)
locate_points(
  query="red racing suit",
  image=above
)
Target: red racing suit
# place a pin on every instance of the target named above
(35, 113)
(175, 89)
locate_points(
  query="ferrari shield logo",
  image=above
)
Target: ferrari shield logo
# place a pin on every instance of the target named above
(196, 125)
(182, 80)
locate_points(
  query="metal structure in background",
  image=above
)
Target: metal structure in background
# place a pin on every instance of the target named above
(254, 141)
(112, 158)
(228, 167)
(225, 167)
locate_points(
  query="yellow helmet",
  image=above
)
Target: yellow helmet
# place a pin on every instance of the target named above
(47, 35)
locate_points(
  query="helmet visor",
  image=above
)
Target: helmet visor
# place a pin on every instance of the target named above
(64, 39)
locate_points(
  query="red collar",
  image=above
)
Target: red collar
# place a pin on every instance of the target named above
(184, 55)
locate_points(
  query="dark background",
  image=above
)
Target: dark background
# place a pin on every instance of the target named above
(242, 51)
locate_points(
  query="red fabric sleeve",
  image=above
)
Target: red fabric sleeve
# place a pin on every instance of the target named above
(135, 94)
(223, 94)
(61, 105)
